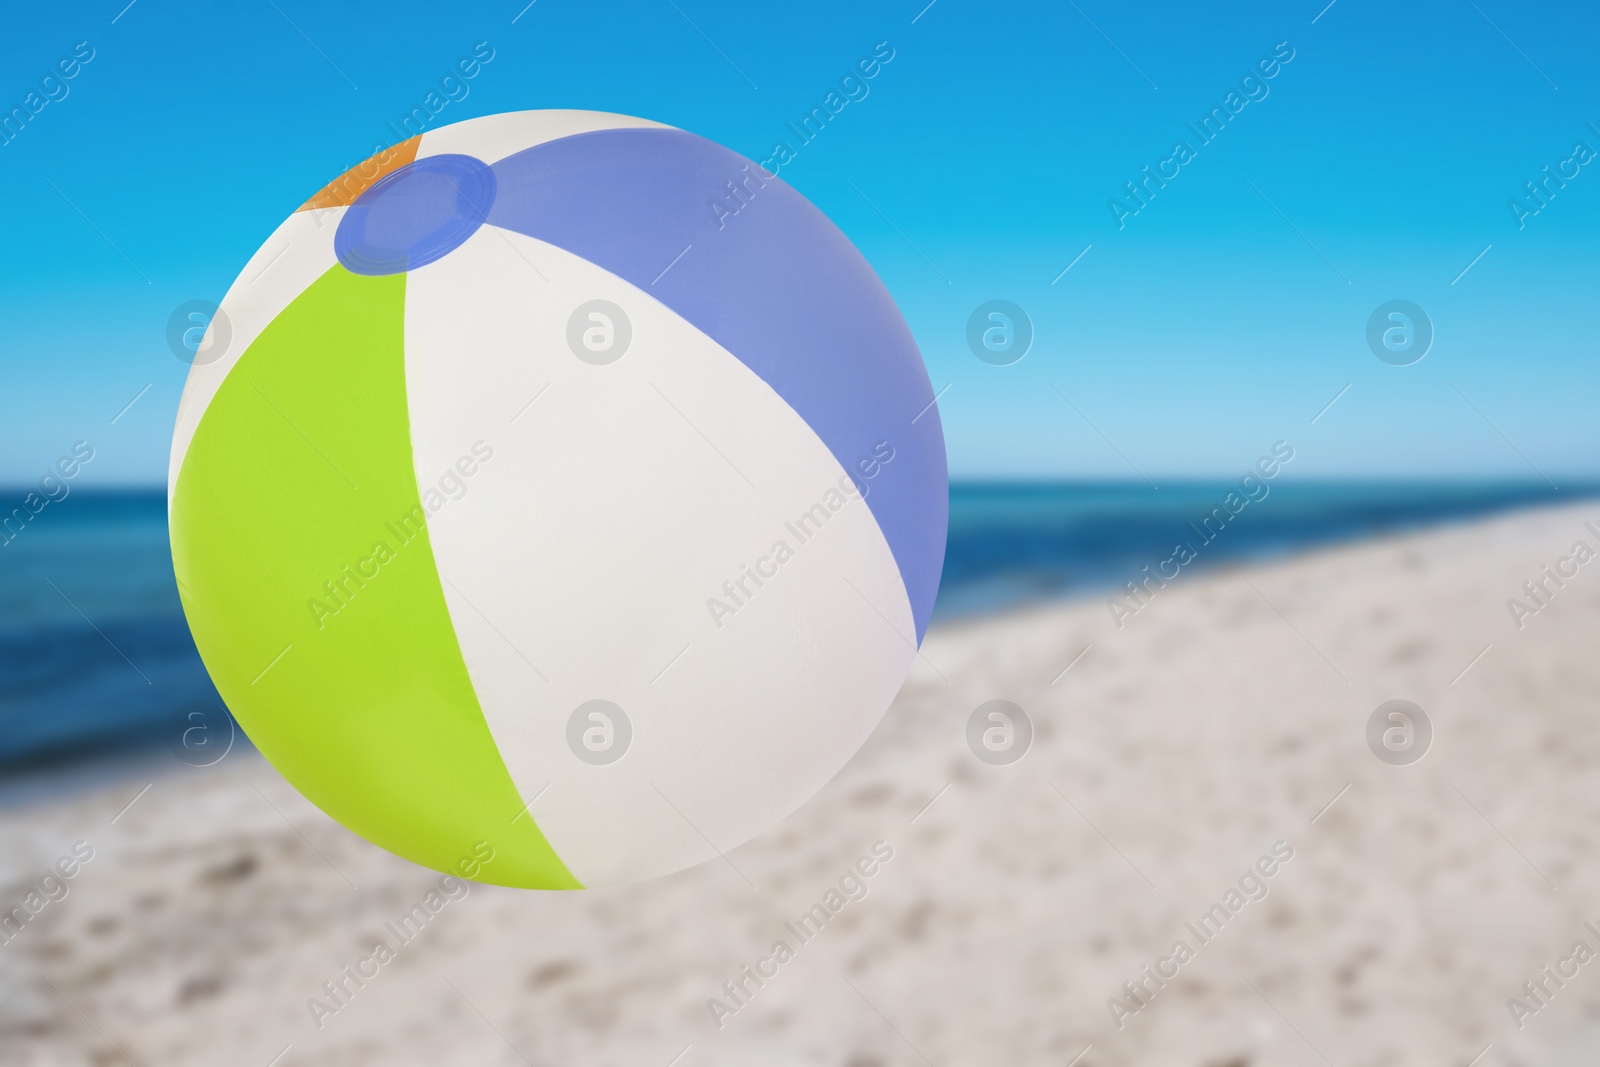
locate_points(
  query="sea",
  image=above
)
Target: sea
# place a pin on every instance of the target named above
(96, 657)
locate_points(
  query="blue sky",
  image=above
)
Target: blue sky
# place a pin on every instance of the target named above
(1222, 317)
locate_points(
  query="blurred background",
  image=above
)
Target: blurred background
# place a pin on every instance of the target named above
(1376, 260)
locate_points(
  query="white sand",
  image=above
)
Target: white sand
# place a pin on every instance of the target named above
(1170, 757)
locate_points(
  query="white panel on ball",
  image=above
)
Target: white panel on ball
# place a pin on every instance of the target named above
(619, 499)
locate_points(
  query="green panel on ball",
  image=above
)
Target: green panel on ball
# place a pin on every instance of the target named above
(306, 573)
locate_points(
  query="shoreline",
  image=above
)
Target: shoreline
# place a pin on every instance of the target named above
(148, 752)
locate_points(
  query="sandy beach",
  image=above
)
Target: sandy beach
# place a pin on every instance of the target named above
(1219, 732)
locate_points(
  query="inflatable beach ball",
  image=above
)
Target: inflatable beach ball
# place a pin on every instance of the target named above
(559, 488)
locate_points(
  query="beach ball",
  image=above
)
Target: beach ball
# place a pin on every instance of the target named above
(557, 499)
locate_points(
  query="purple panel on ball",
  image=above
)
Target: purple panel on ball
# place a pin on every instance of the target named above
(415, 215)
(776, 284)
